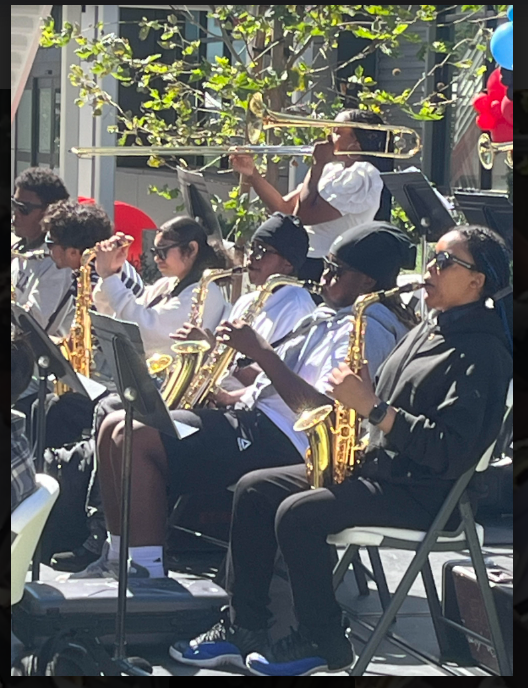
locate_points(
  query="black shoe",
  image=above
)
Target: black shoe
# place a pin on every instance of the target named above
(297, 655)
(74, 561)
(222, 644)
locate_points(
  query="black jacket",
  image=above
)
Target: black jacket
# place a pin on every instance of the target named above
(448, 378)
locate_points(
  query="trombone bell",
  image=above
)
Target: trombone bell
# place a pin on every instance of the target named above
(259, 118)
(487, 150)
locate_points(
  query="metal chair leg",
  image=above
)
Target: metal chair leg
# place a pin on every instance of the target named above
(379, 577)
(342, 566)
(484, 586)
(435, 608)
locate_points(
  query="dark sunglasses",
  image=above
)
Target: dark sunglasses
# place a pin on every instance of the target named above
(444, 259)
(23, 207)
(334, 269)
(161, 251)
(259, 251)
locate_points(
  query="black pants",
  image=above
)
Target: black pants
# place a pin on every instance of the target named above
(229, 443)
(274, 508)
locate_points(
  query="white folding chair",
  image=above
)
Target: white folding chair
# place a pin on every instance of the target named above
(27, 523)
(469, 536)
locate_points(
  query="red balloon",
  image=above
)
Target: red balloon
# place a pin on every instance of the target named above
(129, 220)
(507, 110)
(495, 109)
(494, 86)
(502, 132)
(481, 102)
(486, 121)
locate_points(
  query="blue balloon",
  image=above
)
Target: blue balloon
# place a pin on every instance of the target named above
(502, 45)
(510, 12)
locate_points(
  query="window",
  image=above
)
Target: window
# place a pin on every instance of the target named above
(38, 125)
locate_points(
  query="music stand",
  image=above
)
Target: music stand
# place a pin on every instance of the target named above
(487, 208)
(422, 206)
(197, 204)
(50, 361)
(142, 401)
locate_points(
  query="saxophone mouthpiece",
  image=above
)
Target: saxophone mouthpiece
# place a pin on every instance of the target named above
(412, 286)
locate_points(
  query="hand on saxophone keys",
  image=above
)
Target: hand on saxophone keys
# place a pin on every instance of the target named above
(355, 391)
(190, 333)
(241, 337)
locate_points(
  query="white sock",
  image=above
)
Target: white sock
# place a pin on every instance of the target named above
(113, 546)
(150, 557)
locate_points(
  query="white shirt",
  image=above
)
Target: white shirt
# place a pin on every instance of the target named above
(282, 311)
(355, 191)
(313, 356)
(156, 323)
(40, 286)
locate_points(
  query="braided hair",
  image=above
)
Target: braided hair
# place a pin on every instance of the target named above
(491, 258)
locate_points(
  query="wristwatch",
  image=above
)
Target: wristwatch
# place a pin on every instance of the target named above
(378, 413)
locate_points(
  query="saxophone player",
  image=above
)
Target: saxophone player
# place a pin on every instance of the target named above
(70, 229)
(182, 254)
(437, 405)
(39, 285)
(258, 432)
(278, 247)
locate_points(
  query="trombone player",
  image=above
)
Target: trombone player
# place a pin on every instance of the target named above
(339, 191)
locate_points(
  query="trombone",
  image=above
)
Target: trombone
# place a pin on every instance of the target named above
(487, 149)
(258, 119)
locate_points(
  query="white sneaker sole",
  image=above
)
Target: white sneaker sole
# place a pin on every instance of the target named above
(232, 660)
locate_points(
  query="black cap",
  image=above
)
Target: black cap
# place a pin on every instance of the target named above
(286, 233)
(376, 249)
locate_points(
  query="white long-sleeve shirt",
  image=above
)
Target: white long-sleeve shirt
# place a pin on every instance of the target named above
(156, 312)
(40, 286)
(281, 312)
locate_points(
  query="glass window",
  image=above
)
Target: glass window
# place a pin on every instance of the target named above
(46, 120)
(24, 118)
(214, 48)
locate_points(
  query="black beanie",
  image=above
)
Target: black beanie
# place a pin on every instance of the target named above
(376, 249)
(287, 235)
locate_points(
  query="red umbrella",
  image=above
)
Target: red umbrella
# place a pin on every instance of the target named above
(129, 220)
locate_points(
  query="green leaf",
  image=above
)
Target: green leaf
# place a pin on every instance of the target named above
(464, 64)
(144, 32)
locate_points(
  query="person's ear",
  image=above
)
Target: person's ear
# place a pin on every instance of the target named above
(193, 249)
(288, 267)
(368, 285)
(73, 256)
(478, 281)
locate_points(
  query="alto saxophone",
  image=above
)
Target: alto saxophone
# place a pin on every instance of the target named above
(77, 347)
(177, 372)
(208, 377)
(333, 430)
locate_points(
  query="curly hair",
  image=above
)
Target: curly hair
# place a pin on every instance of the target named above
(48, 186)
(77, 225)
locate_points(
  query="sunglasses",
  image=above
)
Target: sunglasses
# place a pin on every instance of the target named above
(334, 269)
(48, 240)
(162, 251)
(444, 259)
(23, 207)
(258, 251)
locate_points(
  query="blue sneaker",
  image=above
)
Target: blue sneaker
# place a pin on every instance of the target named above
(296, 655)
(222, 644)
